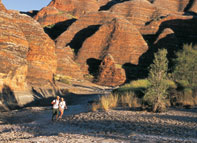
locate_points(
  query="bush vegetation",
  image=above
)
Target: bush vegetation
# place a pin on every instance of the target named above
(160, 89)
(156, 93)
(185, 76)
(185, 69)
(62, 78)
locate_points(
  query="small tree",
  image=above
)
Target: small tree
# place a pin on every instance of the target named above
(155, 94)
(186, 65)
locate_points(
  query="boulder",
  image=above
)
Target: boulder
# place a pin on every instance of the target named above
(119, 38)
(41, 57)
(110, 74)
(61, 10)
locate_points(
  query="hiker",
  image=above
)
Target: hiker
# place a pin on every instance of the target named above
(55, 103)
(62, 106)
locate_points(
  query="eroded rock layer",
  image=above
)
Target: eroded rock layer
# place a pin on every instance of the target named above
(41, 57)
(13, 53)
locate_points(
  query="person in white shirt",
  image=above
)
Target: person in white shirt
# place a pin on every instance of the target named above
(62, 106)
(55, 104)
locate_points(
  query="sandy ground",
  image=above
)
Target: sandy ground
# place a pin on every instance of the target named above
(34, 125)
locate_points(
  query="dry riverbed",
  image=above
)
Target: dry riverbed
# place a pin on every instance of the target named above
(34, 125)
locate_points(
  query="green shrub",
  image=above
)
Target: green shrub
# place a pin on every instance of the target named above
(62, 78)
(170, 84)
(89, 77)
(50, 26)
(156, 93)
(141, 83)
(186, 66)
(182, 84)
(133, 86)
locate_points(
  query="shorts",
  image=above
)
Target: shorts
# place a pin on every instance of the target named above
(55, 111)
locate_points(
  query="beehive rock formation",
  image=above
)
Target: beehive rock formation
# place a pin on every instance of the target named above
(13, 53)
(61, 10)
(137, 12)
(65, 64)
(106, 40)
(110, 74)
(41, 57)
(93, 20)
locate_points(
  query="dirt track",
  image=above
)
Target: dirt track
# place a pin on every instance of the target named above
(116, 126)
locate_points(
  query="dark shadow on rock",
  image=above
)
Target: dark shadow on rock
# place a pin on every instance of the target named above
(190, 13)
(57, 29)
(110, 4)
(81, 36)
(8, 98)
(189, 5)
(185, 30)
(30, 13)
(172, 45)
(93, 66)
(140, 71)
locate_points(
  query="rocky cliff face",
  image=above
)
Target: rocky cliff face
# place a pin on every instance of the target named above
(41, 57)
(13, 53)
(27, 58)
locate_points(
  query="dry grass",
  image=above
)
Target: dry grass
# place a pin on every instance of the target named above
(105, 103)
(114, 100)
(108, 102)
(95, 106)
(129, 100)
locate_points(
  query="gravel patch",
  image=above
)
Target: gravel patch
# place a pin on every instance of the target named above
(34, 125)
